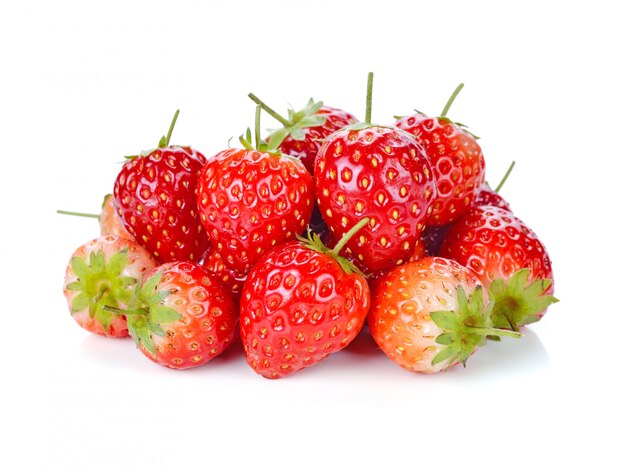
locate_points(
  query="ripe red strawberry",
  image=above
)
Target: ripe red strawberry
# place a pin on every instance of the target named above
(102, 272)
(303, 132)
(430, 315)
(381, 173)
(154, 197)
(250, 200)
(110, 223)
(510, 261)
(456, 158)
(300, 303)
(229, 278)
(181, 316)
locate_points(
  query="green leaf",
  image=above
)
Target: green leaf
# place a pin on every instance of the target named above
(117, 262)
(104, 318)
(96, 261)
(76, 286)
(156, 329)
(80, 267)
(163, 314)
(149, 286)
(446, 320)
(80, 302)
(277, 138)
(297, 133)
(445, 338)
(444, 354)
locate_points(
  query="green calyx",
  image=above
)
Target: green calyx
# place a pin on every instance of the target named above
(519, 301)
(100, 283)
(147, 311)
(164, 142)
(466, 328)
(258, 144)
(314, 243)
(295, 124)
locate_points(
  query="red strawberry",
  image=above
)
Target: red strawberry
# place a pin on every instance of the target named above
(303, 132)
(229, 278)
(110, 223)
(430, 314)
(381, 173)
(301, 302)
(510, 261)
(456, 158)
(104, 272)
(251, 200)
(154, 197)
(181, 316)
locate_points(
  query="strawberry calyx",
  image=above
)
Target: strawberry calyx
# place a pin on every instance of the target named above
(147, 311)
(100, 284)
(297, 122)
(164, 142)
(259, 144)
(519, 301)
(466, 328)
(313, 242)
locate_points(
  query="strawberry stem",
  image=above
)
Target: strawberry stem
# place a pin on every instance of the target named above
(493, 331)
(257, 126)
(451, 99)
(126, 311)
(165, 140)
(75, 213)
(368, 100)
(506, 176)
(283, 121)
(346, 237)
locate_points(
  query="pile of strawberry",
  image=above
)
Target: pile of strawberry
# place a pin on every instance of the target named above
(293, 242)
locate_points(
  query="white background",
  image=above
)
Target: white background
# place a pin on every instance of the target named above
(83, 85)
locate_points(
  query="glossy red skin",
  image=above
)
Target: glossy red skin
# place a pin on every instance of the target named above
(457, 162)
(230, 278)
(251, 201)
(209, 317)
(297, 307)
(154, 197)
(380, 173)
(487, 197)
(494, 243)
(307, 149)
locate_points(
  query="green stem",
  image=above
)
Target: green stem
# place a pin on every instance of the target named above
(126, 311)
(451, 99)
(506, 176)
(346, 237)
(494, 331)
(368, 100)
(169, 132)
(75, 213)
(283, 121)
(257, 126)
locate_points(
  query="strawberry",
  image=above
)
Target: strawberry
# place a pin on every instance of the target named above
(378, 172)
(510, 261)
(456, 158)
(430, 315)
(252, 199)
(154, 197)
(104, 272)
(300, 303)
(181, 316)
(303, 132)
(110, 223)
(228, 277)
